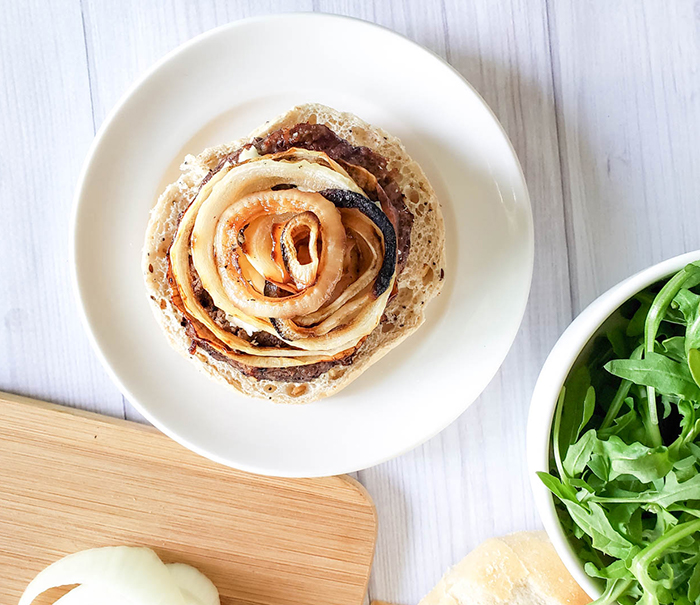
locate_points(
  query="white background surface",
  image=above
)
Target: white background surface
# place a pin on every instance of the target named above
(600, 99)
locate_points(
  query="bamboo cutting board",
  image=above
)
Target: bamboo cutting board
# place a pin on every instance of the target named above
(71, 480)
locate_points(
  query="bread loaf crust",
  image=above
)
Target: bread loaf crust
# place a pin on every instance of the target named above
(519, 569)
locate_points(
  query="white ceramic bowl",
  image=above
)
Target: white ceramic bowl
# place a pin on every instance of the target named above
(544, 398)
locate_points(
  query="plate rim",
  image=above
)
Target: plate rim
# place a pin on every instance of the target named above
(79, 194)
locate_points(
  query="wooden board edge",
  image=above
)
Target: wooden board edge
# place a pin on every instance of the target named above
(362, 490)
(6, 397)
(14, 398)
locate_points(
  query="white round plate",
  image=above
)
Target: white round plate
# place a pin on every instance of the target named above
(218, 87)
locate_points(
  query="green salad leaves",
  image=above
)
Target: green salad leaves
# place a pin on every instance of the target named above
(625, 456)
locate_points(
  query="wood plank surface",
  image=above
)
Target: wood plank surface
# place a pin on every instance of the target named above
(629, 119)
(46, 127)
(71, 480)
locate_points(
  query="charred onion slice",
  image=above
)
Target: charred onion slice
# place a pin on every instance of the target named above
(352, 322)
(298, 244)
(222, 252)
(368, 244)
(227, 185)
(349, 199)
(257, 243)
(314, 269)
(356, 310)
(370, 185)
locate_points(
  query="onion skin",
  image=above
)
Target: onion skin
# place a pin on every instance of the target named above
(349, 199)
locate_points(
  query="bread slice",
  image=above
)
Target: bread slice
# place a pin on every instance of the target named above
(420, 280)
(519, 569)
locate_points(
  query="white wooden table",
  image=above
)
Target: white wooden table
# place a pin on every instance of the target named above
(601, 100)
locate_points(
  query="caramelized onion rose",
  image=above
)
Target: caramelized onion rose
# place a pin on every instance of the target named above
(286, 245)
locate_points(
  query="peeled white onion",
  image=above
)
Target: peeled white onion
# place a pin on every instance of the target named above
(195, 587)
(89, 594)
(123, 575)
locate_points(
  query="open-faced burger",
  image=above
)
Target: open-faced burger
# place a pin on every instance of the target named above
(286, 263)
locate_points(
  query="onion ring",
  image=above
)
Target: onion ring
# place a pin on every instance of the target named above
(286, 245)
(238, 290)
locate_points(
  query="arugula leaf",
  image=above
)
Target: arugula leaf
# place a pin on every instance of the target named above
(666, 403)
(674, 348)
(635, 459)
(694, 364)
(621, 423)
(636, 324)
(659, 372)
(579, 454)
(673, 491)
(595, 523)
(588, 409)
(559, 489)
(614, 589)
(642, 562)
(694, 450)
(600, 466)
(621, 394)
(694, 584)
(614, 571)
(685, 468)
(689, 304)
(658, 310)
(573, 406)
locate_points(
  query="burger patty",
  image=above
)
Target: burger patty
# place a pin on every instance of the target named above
(291, 374)
(314, 137)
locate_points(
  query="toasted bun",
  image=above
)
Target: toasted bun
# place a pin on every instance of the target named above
(420, 280)
(519, 569)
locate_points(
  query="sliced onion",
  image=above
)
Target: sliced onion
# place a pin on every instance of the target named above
(254, 175)
(89, 594)
(301, 270)
(297, 154)
(195, 587)
(264, 357)
(136, 574)
(250, 273)
(123, 575)
(350, 199)
(353, 321)
(258, 245)
(366, 236)
(330, 258)
(214, 252)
